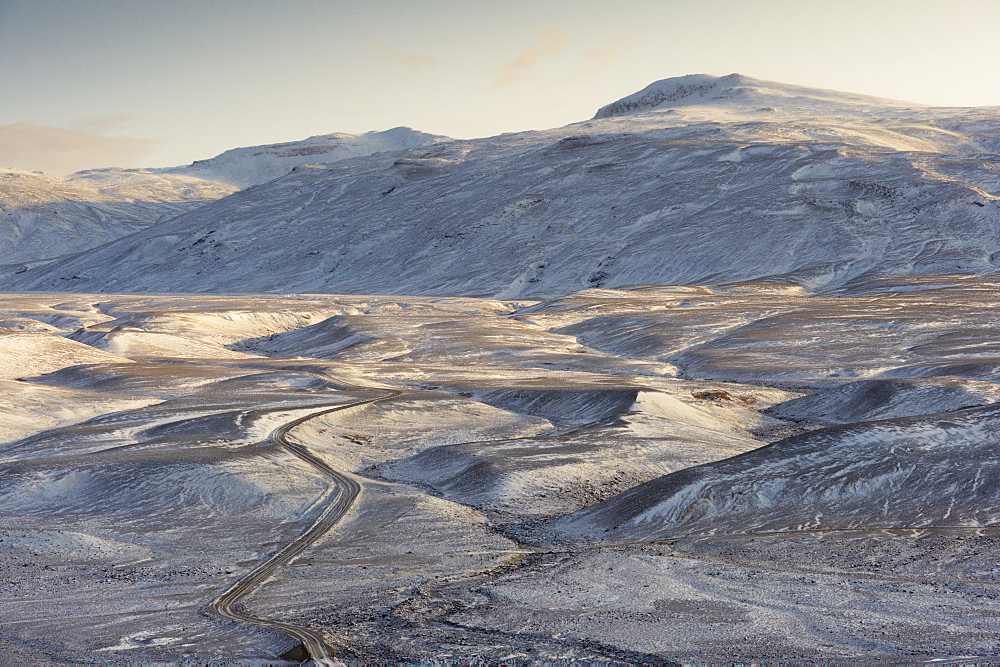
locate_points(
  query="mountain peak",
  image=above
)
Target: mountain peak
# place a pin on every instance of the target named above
(734, 90)
(252, 165)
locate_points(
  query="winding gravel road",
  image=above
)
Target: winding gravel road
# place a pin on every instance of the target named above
(227, 604)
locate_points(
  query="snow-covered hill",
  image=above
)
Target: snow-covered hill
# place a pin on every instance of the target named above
(694, 180)
(44, 216)
(743, 93)
(253, 165)
(931, 470)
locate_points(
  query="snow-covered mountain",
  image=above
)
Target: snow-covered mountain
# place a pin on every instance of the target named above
(43, 216)
(694, 180)
(743, 93)
(253, 165)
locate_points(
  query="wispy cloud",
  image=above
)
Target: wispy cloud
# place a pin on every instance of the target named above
(61, 150)
(598, 60)
(550, 43)
(101, 124)
(413, 63)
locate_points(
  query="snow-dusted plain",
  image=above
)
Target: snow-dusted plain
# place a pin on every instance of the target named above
(538, 480)
(709, 378)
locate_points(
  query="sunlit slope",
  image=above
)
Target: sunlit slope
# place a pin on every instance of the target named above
(43, 216)
(744, 180)
(253, 165)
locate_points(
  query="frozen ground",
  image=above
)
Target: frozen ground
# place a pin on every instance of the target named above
(748, 471)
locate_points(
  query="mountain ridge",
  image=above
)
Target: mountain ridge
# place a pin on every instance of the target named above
(736, 89)
(43, 216)
(253, 165)
(710, 194)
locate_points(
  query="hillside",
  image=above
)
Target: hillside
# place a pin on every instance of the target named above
(43, 216)
(899, 472)
(696, 180)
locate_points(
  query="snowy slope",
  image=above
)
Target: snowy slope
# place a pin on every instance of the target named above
(696, 180)
(741, 92)
(43, 216)
(933, 470)
(866, 400)
(253, 165)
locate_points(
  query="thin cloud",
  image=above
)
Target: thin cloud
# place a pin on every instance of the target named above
(413, 63)
(598, 60)
(61, 150)
(551, 43)
(101, 124)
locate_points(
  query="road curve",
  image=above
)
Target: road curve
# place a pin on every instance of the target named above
(226, 603)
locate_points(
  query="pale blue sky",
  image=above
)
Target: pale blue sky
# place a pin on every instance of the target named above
(89, 83)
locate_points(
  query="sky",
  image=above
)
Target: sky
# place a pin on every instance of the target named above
(144, 83)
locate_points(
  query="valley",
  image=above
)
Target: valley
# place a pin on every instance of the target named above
(709, 377)
(415, 478)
